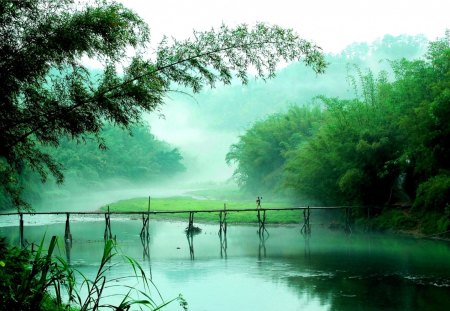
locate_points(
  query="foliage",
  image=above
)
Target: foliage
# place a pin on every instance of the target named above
(235, 107)
(261, 152)
(434, 194)
(134, 156)
(387, 145)
(394, 219)
(353, 158)
(47, 93)
(139, 156)
(27, 279)
(43, 281)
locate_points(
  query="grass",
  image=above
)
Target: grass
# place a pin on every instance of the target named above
(188, 204)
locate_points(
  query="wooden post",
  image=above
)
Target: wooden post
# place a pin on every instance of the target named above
(191, 221)
(145, 231)
(108, 233)
(262, 222)
(190, 227)
(306, 229)
(259, 221)
(220, 223)
(148, 218)
(67, 233)
(22, 242)
(223, 220)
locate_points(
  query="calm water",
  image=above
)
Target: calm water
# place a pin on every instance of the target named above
(328, 271)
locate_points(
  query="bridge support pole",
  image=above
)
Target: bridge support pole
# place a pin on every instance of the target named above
(261, 222)
(145, 232)
(67, 233)
(108, 234)
(223, 220)
(67, 238)
(22, 242)
(306, 229)
(190, 227)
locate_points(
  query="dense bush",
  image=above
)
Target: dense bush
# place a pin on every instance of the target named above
(434, 194)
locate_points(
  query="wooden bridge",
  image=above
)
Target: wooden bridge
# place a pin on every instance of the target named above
(190, 229)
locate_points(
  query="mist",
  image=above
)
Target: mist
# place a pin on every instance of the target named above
(204, 125)
(194, 132)
(181, 124)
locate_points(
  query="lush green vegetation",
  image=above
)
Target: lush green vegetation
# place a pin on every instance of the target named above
(47, 93)
(388, 146)
(134, 156)
(40, 280)
(187, 203)
(235, 107)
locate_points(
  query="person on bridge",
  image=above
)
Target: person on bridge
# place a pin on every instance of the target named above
(258, 202)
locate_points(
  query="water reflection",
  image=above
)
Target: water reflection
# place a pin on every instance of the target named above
(306, 238)
(326, 270)
(145, 241)
(306, 228)
(67, 238)
(262, 251)
(190, 239)
(68, 247)
(223, 245)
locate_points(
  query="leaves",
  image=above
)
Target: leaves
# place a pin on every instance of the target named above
(387, 145)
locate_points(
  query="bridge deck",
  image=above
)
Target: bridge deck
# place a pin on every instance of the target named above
(178, 211)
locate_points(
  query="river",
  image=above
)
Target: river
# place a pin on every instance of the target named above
(284, 271)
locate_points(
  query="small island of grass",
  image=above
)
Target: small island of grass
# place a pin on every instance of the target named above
(185, 203)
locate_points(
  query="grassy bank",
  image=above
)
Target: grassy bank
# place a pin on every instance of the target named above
(188, 203)
(392, 219)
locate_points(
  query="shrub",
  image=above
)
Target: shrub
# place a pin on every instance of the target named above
(434, 194)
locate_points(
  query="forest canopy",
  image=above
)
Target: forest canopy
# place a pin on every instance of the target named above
(388, 145)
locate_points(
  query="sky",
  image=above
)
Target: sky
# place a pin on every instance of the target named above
(331, 24)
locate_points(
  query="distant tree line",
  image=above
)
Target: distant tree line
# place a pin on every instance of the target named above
(133, 156)
(234, 108)
(389, 145)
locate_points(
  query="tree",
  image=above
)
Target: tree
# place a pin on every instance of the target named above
(46, 92)
(261, 152)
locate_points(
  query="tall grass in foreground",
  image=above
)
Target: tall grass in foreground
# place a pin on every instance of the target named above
(42, 281)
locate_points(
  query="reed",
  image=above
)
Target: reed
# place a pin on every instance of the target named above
(41, 280)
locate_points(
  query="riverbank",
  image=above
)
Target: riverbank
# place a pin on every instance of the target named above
(421, 224)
